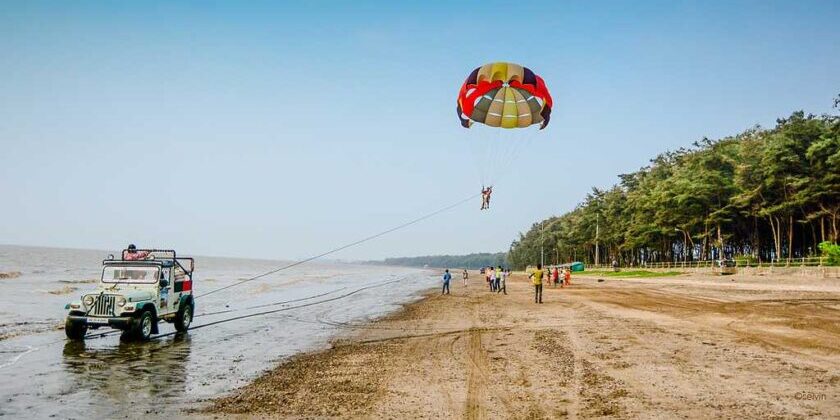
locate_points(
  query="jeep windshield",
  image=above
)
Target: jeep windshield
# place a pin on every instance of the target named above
(130, 275)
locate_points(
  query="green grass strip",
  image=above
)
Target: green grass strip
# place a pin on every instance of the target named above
(630, 273)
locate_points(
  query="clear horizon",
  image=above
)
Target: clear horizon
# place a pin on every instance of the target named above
(326, 259)
(279, 131)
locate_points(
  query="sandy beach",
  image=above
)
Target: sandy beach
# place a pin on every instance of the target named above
(691, 346)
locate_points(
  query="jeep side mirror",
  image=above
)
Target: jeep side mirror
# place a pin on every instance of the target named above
(164, 283)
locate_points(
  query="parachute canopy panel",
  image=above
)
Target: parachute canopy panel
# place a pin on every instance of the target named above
(505, 95)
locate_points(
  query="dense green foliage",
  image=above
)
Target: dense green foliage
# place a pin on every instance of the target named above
(764, 194)
(472, 261)
(831, 252)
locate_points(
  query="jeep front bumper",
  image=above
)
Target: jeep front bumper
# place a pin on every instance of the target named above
(119, 322)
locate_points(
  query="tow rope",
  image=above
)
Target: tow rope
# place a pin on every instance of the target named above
(343, 247)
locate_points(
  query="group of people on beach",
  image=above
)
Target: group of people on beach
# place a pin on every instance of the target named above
(497, 277)
(562, 277)
(552, 275)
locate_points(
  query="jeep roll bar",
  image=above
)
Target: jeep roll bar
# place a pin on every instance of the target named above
(169, 254)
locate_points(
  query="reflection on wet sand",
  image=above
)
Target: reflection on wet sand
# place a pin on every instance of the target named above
(129, 372)
(44, 376)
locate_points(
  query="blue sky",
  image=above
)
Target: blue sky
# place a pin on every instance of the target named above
(279, 130)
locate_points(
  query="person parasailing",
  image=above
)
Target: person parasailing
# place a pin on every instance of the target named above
(505, 96)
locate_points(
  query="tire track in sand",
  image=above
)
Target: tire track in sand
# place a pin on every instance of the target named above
(576, 381)
(477, 377)
(450, 402)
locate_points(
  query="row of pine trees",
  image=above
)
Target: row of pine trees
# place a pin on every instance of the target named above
(764, 195)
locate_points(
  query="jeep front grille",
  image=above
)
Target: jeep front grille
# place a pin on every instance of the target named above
(103, 305)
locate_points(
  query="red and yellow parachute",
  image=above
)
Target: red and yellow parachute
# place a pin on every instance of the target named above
(505, 95)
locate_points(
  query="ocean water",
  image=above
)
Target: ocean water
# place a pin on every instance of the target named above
(44, 375)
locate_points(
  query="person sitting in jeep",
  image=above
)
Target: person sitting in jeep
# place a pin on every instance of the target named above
(132, 254)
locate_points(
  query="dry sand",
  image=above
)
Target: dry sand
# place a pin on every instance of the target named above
(684, 347)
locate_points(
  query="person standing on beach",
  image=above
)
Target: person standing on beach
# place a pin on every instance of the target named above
(492, 276)
(446, 278)
(502, 286)
(466, 276)
(498, 278)
(567, 277)
(537, 278)
(555, 277)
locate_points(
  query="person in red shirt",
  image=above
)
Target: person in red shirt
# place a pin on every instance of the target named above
(132, 254)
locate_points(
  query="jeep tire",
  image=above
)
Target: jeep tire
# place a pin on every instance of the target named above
(75, 330)
(142, 328)
(184, 317)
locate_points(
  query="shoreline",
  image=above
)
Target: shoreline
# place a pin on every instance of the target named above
(618, 348)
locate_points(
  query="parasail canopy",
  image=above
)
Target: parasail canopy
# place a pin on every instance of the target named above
(505, 95)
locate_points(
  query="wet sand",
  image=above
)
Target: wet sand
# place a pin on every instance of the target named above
(234, 338)
(692, 346)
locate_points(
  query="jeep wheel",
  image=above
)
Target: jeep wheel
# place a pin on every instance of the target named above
(184, 318)
(75, 330)
(142, 328)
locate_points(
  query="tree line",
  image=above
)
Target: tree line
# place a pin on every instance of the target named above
(764, 194)
(471, 261)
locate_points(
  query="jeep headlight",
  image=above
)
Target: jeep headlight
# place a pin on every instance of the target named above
(121, 301)
(88, 301)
